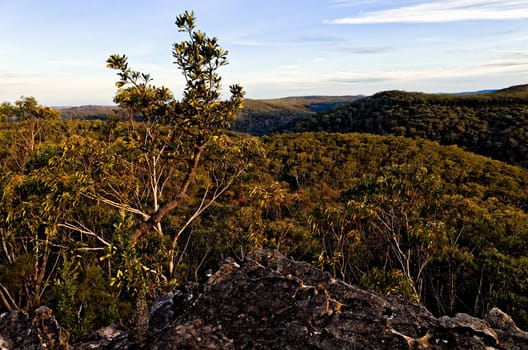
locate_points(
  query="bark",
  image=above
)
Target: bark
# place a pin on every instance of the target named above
(139, 322)
(168, 207)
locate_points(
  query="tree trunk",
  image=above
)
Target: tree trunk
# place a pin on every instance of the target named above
(139, 322)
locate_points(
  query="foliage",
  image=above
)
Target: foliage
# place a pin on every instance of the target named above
(192, 123)
(392, 282)
(172, 137)
(26, 111)
(57, 234)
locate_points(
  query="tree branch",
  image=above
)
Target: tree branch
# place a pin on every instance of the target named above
(83, 229)
(121, 206)
(7, 299)
(154, 219)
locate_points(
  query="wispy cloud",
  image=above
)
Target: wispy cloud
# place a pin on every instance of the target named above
(512, 60)
(519, 56)
(507, 64)
(450, 72)
(12, 76)
(442, 72)
(433, 78)
(443, 11)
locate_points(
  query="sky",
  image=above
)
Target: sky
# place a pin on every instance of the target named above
(55, 50)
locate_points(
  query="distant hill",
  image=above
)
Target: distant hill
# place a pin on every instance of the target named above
(494, 124)
(259, 117)
(472, 92)
(517, 90)
(263, 117)
(90, 112)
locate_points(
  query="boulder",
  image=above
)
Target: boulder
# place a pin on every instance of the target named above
(511, 337)
(36, 330)
(106, 338)
(270, 302)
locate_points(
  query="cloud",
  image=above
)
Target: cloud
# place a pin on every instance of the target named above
(437, 72)
(519, 56)
(507, 64)
(443, 11)
(14, 77)
(432, 40)
(75, 63)
(11, 75)
(461, 71)
(432, 78)
(337, 43)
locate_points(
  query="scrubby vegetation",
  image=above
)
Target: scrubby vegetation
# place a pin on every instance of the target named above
(400, 216)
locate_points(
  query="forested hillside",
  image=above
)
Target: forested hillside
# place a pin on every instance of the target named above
(265, 117)
(493, 124)
(399, 216)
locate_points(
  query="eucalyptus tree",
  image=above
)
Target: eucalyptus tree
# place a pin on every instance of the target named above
(28, 110)
(175, 134)
(6, 111)
(33, 119)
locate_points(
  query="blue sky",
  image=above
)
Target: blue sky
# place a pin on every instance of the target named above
(55, 50)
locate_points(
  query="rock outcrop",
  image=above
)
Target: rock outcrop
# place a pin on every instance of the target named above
(511, 337)
(37, 330)
(270, 302)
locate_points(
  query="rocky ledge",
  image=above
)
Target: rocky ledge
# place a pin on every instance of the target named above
(271, 302)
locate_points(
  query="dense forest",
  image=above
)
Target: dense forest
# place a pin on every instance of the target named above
(100, 217)
(494, 124)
